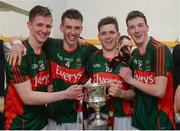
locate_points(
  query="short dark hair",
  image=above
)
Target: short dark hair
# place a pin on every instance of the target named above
(133, 14)
(39, 11)
(72, 14)
(108, 20)
(121, 38)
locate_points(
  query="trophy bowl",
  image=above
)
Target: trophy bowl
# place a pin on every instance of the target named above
(96, 98)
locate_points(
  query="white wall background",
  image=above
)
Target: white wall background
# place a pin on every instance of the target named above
(163, 15)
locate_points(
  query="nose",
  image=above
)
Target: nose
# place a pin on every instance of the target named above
(73, 31)
(44, 29)
(136, 29)
(108, 35)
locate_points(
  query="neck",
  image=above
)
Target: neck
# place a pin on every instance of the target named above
(35, 45)
(69, 47)
(110, 54)
(142, 47)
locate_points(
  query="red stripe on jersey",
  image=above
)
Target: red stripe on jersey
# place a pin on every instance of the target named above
(127, 108)
(14, 72)
(20, 75)
(17, 74)
(13, 105)
(166, 104)
(160, 60)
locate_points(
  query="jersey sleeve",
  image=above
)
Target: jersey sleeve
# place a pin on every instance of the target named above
(163, 61)
(51, 45)
(17, 73)
(88, 50)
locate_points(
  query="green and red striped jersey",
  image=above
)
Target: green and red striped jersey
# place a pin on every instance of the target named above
(151, 112)
(18, 115)
(67, 68)
(99, 71)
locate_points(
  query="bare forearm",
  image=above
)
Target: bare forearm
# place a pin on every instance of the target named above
(158, 89)
(39, 98)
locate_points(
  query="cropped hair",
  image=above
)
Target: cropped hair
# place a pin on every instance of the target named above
(134, 14)
(108, 20)
(72, 14)
(121, 38)
(39, 11)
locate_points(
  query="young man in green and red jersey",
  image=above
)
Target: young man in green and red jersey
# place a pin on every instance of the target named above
(27, 83)
(67, 62)
(103, 68)
(152, 77)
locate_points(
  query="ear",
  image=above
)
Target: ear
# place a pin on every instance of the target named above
(147, 28)
(118, 35)
(128, 32)
(61, 28)
(29, 24)
(98, 36)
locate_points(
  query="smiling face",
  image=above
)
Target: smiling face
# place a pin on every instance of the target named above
(138, 30)
(40, 28)
(71, 29)
(108, 35)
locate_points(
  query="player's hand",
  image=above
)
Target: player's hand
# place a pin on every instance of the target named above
(81, 41)
(126, 74)
(115, 88)
(74, 92)
(15, 54)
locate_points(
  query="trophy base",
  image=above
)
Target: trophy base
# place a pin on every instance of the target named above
(98, 122)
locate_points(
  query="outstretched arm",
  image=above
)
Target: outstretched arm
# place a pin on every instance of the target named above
(30, 97)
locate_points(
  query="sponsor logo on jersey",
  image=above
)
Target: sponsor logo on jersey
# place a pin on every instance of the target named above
(59, 56)
(108, 69)
(104, 78)
(96, 65)
(78, 61)
(39, 65)
(148, 68)
(40, 80)
(145, 77)
(68, 75)
(138, 63)
(34, 66)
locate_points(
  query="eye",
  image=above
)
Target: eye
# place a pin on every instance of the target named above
(131, 27)
(112, 32)
(49, 26)
(103, 33)
(140, 25)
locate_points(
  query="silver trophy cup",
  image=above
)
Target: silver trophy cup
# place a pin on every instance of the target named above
(96, 98)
